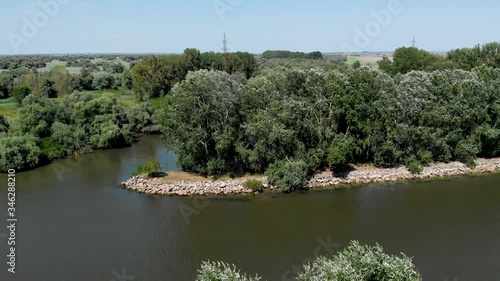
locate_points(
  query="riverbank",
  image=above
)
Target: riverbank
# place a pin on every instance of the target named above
(363, 175)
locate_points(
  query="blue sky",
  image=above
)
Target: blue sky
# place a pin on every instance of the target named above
(170, 26)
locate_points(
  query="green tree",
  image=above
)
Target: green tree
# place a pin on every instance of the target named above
(386, 65)
(62, 80)
(85, 79)
(4, 124)
(289, 175)
(356, 64)
(200, 120)
(103, 82)
(20, 92)
(127, 79)
(6, 85)
(47, 88)
(19, 153)
(154, 76)
(341, 153)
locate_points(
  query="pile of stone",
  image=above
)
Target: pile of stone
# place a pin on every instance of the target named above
(158, 186)
(376, 175)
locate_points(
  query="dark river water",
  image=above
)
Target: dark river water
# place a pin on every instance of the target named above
(76, 224)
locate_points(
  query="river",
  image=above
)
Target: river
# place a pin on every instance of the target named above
(76, 224)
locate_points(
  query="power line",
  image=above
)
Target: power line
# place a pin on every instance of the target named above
(413, 42)
(226, 54)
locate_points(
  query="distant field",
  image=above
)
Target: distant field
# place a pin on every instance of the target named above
(10, 109)
(76, 70)
(367, 59)
(351, 60)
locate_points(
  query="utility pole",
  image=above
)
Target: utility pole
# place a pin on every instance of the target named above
(414, 42)
(226, 54)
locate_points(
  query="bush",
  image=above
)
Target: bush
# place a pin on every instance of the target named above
(361, 263)
(255, 185)
(52, 149)
(150, 168)
(414, 165)
(466, 152)
(425, 157)
(356, 263)
(340, 153)
(289, 176)
(219, 271)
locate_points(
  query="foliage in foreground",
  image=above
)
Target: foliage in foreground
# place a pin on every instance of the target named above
(360, 263)
(220, 271)
(355, 263)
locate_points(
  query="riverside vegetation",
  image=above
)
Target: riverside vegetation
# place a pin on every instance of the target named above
(287, 118)
(292, 123)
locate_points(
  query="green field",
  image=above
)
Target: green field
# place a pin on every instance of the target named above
(9, 108)
(76, 70)
(351, 60)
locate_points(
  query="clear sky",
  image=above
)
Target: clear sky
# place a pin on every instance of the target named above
(170, 26)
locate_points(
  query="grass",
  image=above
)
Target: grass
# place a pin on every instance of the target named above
(124, 97)
(9, 108)
(351, 60)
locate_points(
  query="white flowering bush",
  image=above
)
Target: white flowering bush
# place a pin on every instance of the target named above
(360, 263)
(355, 263)
(220, 271)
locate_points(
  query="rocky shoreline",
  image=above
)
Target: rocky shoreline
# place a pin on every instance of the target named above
(158, 186)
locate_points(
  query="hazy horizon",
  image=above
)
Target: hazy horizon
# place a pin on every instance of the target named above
(151, 26)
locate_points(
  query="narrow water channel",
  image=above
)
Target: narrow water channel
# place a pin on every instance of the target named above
(76, 224)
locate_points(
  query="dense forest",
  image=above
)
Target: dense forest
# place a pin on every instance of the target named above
(285, 114)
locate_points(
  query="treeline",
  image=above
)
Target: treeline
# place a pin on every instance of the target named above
(40, 61)
(47, 129)
(286, 121)
(154, 76)
(58, 82)
(409, 59)
(279, 54)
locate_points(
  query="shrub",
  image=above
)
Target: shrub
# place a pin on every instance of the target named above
(466, 152)
(361, 263)
(340, 153)
(219, 271)
(414, 165)
(255, 185)
(150, 168)
(289, 176)
(356, 263)
(52, 149)
(425, 157)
